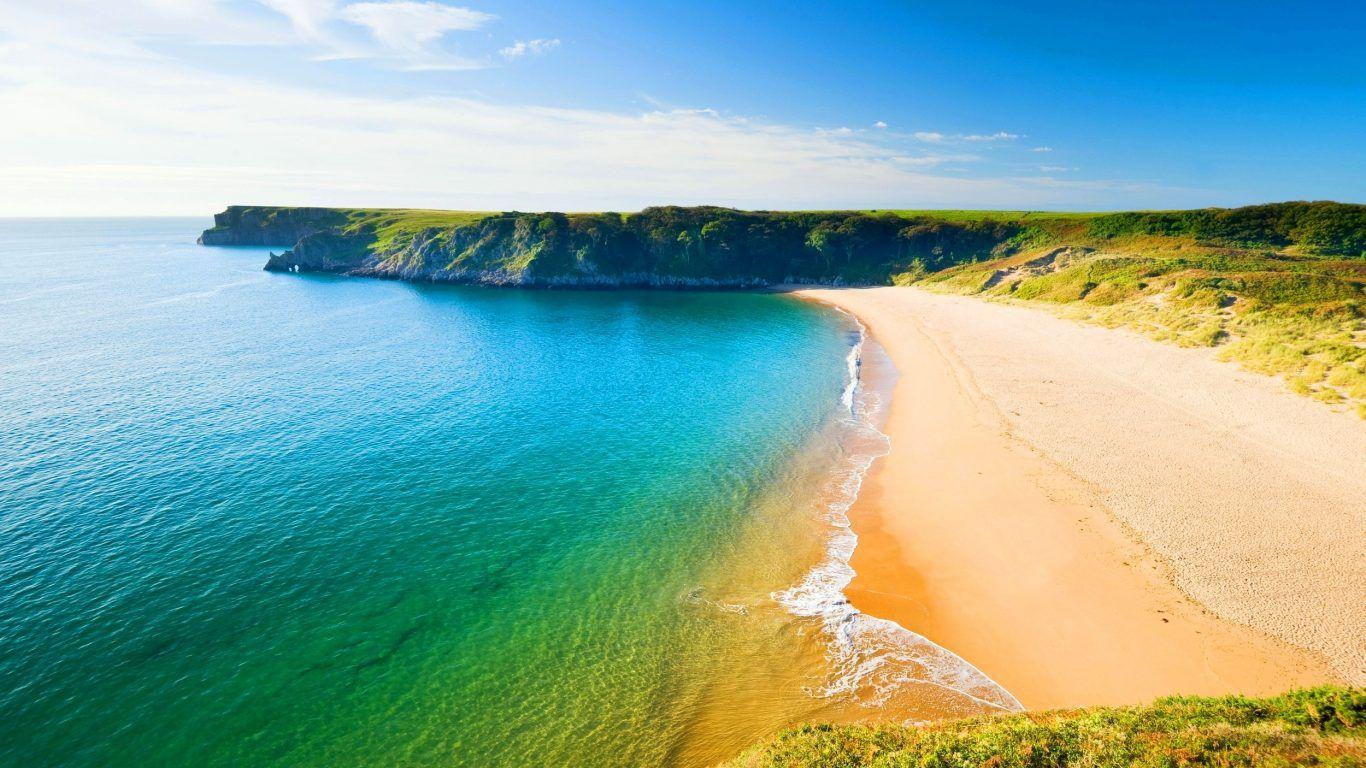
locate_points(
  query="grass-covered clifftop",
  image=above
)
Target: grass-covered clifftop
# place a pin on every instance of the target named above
(1280, 288)
(1322, 727)
(382, 228)
(670, 246)
(726, 246)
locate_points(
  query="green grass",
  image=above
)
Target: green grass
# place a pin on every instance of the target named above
(387, 229)
(1319, 727)
(394, 228)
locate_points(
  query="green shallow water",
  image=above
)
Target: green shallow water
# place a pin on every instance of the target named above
(259, 519)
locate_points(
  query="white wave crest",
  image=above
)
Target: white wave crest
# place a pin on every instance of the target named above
(872, 658)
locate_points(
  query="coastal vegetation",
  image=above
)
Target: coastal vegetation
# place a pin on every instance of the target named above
(1292, 312)
(1324, 726)
(1279, 288)
(723, 244)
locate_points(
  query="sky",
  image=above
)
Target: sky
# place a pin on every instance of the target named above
(180, 107)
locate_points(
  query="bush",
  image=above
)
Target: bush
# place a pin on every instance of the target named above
(1321, 227)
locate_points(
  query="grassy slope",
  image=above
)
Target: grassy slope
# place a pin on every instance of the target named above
(1297, 316)
(1323, 726)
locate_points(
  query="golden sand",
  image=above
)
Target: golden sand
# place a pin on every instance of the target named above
(1021, 563)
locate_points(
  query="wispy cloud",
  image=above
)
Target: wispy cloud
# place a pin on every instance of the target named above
(306, 147)
(935, 137)
(528, 48)
(408, 29)
(998, 136)
(1041, 149)
(930, 161)
(309, 18)
(398, 33)
(130, 29)
(100, 119)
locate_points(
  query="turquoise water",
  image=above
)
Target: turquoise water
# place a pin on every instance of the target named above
(260, 519)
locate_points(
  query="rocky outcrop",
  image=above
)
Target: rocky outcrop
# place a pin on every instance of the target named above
(325, 251)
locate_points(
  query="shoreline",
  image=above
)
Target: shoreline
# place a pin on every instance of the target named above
(877, 661)
(976, 539)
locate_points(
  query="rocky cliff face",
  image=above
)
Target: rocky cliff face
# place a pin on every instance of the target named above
(326, 252)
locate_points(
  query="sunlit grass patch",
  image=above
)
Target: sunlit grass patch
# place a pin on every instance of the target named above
(395, 228)
(1323, 727)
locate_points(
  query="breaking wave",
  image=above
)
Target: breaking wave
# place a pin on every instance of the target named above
(872, 658)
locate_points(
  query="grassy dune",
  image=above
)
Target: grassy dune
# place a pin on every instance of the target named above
(1323, 727)
(1298, 316)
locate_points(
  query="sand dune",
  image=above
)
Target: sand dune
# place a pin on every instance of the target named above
(1093, 517)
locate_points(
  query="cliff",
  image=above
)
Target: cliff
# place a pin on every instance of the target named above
(658, 247)
(721, 247)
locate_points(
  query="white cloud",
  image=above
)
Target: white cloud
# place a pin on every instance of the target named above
(879, 124)
(1041, 149)
(528, 47)
(308, 17)
(401, 32)
(998, 136)
(935, 137)
(1056, 168)
(133, 29)
(122, 128)
(410, 29)
(930, 161)
(190, 144)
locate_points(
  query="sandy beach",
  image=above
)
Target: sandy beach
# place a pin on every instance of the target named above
(1091, 517)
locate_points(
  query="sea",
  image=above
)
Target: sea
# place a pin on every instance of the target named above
(267, 519)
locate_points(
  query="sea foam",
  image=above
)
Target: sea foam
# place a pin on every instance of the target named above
(874, 658)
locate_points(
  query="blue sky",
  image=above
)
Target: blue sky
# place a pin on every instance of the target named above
(182, 106)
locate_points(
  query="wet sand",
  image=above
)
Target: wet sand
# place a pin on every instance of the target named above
(1091, 517)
